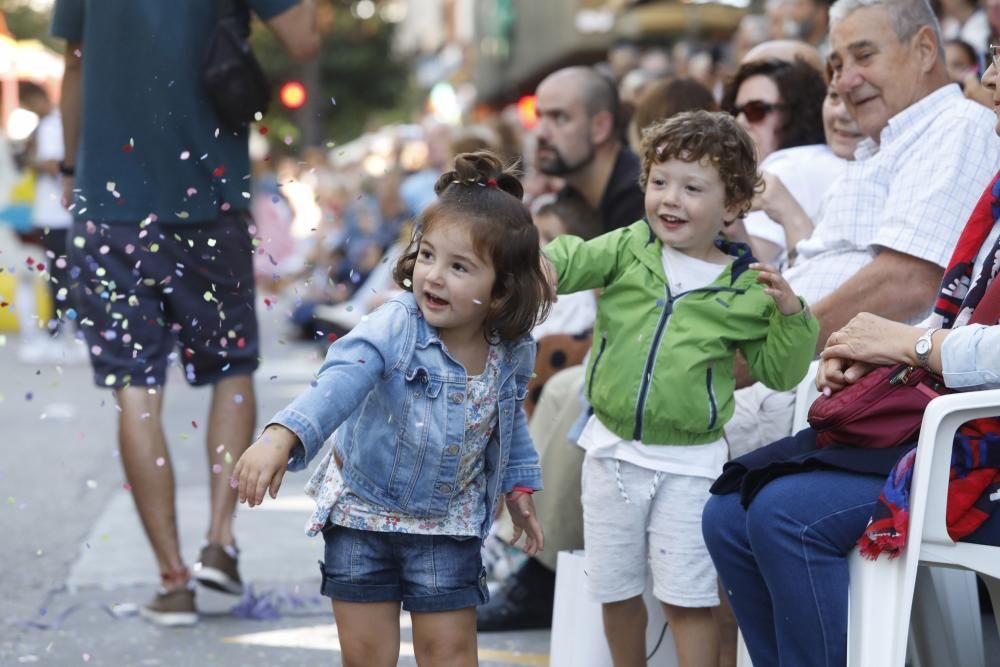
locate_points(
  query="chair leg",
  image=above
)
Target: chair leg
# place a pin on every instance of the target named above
(945, 626)
(879, 612)
(993, 586)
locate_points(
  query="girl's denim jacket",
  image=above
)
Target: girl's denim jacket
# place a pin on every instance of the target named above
(396, 400)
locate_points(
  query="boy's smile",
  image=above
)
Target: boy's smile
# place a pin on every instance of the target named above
(685, 206)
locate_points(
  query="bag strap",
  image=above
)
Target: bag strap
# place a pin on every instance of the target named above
(238, 9)
(987, 311)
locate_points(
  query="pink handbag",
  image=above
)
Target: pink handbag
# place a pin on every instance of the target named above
(886, 407)
(882, 409)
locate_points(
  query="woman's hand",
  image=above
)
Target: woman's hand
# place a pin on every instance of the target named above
(522, 515)
(865, 342)
(775, 199)
(874, 340)
(835, 373)
(778, 289)
(263, 464)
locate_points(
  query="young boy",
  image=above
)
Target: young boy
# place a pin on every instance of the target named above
(678, 303)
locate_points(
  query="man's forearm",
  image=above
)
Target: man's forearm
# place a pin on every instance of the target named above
(69, 102)
(894, 286)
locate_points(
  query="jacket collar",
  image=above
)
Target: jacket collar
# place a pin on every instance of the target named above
(649, 250)
(427, 334)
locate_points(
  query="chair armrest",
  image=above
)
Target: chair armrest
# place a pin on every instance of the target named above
(929, 488)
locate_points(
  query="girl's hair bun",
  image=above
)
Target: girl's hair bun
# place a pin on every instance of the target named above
(480, 169)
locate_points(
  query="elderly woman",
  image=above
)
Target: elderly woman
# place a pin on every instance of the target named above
(779, 104)
(787, 515)
(779, 204)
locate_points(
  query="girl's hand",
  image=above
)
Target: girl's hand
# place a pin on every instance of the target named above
(778, 289)
(522, 515)
(263, 465)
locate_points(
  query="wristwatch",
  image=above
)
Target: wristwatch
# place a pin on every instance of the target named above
(922, 348)
(66, 169)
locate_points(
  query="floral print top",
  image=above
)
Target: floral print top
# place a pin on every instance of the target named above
(339, 505)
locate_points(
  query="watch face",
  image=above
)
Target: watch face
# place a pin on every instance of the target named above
(922, 347)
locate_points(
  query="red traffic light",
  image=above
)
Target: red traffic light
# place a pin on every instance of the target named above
(526, 112)
(293, 94)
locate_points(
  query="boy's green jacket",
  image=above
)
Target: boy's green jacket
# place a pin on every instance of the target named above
(661, 367)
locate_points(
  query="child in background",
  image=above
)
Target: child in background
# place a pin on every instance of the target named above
(555, 215)
(425, 396)
(678, 303)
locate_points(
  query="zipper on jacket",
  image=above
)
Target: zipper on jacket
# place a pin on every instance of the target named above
(713, 408)
(661, 325)
(597, 360)
(647, 372)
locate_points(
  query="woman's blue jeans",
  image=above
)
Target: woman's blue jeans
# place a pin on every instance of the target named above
(783, 562)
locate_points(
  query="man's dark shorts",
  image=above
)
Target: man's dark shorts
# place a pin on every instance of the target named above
(142, 289)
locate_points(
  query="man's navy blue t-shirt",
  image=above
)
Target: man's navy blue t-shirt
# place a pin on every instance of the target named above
(150, 141)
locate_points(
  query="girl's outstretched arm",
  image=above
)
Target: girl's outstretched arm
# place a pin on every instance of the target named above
(262, 466)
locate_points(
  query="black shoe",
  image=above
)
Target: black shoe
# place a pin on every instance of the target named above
(524, 602)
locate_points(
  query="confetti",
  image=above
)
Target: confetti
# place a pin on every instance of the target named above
(185, 155)
(216, 468)
(160, 461)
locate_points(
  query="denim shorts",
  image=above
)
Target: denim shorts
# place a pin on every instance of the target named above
(427, 573)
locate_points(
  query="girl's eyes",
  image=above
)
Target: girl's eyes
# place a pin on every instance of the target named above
(458, 267)
(692, 188)
(425, 254)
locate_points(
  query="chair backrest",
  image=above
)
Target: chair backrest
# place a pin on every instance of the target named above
(805, 394)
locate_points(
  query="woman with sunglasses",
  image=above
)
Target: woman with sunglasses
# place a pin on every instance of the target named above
(780, 104)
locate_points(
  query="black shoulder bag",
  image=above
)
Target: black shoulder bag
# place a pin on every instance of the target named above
(233, 79)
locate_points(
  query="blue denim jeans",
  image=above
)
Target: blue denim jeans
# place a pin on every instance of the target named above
(428, 573)
(783, 562)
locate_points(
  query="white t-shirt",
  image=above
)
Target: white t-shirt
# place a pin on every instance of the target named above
(48, 210)
(807, 172)
(684, 273)
(572, 314)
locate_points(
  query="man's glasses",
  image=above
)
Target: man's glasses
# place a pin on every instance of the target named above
(755, 110)
(995, 56)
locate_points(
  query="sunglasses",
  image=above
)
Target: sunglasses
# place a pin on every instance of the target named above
(755, 110)
(995, 56)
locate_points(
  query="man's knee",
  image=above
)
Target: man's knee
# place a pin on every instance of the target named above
(722, 518)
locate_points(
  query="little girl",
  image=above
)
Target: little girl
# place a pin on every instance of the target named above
(425, 396)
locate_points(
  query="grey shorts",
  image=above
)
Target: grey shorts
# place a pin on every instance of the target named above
(626, 538)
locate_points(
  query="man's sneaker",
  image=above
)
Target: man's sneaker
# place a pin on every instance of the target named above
(217, 569)
(171, 608)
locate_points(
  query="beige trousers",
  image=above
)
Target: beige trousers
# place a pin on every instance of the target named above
(558, 504)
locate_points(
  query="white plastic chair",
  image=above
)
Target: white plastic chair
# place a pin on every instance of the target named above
(882, 591)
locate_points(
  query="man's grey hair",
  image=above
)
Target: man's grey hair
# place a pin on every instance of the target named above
(906, 16)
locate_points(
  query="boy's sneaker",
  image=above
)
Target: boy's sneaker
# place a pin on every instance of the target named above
(171, 608)
(217, 568)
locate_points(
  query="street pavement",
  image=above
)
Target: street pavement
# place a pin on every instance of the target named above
(74, 562)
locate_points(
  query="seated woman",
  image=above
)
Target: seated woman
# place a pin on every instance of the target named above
(786, 516)
(779, 104)
(778, 204)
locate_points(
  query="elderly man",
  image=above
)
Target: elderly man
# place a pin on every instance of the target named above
(579, 141)
(889, 225)
(783, 562)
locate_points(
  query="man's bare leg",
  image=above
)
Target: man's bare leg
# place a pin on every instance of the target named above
(150, 475)
(231, 421)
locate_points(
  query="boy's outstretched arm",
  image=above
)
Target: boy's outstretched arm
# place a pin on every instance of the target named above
(262, 466)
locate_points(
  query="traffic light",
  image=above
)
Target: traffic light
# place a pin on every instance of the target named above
(526, 112)
(292, 94)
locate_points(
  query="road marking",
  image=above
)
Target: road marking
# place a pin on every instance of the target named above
(324, 638)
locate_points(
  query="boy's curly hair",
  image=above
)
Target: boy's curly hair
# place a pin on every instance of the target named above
(695, 135)
(485, 195)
